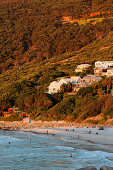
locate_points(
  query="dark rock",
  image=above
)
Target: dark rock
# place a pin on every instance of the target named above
(101, 128)
(106, 168)
(88, 168)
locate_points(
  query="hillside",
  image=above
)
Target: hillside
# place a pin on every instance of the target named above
(33, 29)
(36, 48)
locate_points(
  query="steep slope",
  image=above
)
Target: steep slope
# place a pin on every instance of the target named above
(36, 48)
(33, 29)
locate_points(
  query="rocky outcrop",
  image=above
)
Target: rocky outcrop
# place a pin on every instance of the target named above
(94, 168)
(106, 168)
(88, 168)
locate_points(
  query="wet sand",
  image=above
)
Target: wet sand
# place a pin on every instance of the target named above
(86, 138)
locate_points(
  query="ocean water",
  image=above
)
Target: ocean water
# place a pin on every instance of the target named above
(29, 151)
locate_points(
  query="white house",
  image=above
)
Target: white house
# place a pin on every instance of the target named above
(54, 87)
(109, 73)
(103, 68)
(103, 64)
(82, 68)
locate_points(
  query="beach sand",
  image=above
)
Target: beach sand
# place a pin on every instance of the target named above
(86, 138)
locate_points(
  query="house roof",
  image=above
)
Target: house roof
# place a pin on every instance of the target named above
(83, 65)
(64, 80)
(104, 61)
(100, 67)
(75, 79)
(91, 77)
(103, 64)
(53, 83)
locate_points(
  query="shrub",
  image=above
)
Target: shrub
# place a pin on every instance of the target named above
(13, 117)
(62, 109)
(84, 91)
(111, 123)
(84, 115)
(107, 113)
(93, 121)
(101, 121)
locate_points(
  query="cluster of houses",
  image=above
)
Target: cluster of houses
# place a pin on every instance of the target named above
(15, 110)
(102, 68)
(54, 86)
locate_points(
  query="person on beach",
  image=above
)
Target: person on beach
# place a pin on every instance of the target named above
(9, 143)
(89, 132)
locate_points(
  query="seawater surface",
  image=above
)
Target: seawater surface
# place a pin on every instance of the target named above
(29, 151)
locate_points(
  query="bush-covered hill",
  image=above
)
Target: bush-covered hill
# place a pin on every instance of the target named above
(25, 87)
(31, 30)
(37, 48)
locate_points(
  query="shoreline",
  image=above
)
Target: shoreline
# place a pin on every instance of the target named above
(86, 135)
(102, 141)
(74, 135)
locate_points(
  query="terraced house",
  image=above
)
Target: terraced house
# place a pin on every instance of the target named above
(103, 68)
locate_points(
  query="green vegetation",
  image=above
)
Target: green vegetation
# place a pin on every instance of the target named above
(32, 31)
(14, 117)
(36, 48)
(88, 102)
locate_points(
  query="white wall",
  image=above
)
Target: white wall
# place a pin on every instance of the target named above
(53, 87)
(103, 64)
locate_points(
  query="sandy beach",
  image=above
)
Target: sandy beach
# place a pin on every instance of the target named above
(92, 134)
(87, 136)
(77, 144)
